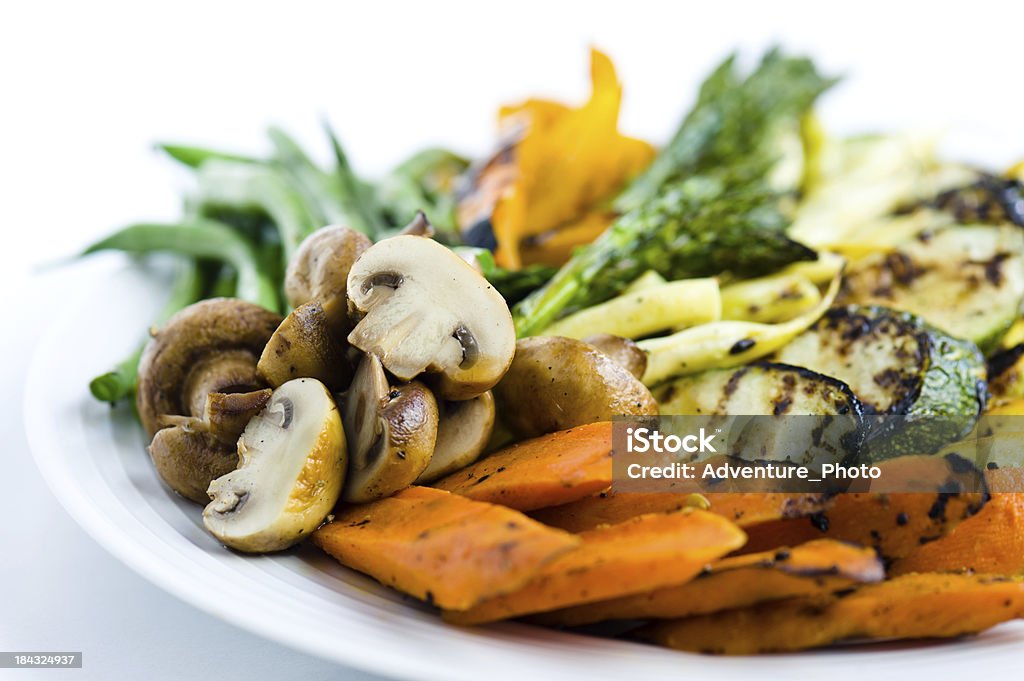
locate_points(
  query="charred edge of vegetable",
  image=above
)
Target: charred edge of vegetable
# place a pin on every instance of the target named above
(852, 406)
(855, 322)
(1004, 360)
(989, 200)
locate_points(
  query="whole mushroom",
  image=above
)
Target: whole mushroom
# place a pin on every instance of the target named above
(425, 310)
(622, 350)
(198, 387)
(318, 271)
(391, 428)
(556, 383)
(304, 346)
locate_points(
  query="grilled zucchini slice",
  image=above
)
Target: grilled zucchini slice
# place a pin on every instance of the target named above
(967, 281)
(761, 389)
(767, 389)
(897, 364)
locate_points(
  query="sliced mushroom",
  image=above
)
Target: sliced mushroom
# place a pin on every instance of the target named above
(291, 468)
(622, 350)
(463, 431)
(391, 430)
(209, 347)
(304, 347)
(427, 311)
(319, 271)
(556, 383)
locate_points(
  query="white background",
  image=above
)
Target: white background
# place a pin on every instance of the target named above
(86, 88)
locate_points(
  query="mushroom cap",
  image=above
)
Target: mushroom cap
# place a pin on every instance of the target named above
(303, 346)
(463, 431)
(556, 383)
(187, 460)
(292, 460)
(318, 271)
(392, 430)
(427, 311)
(209, 347)
(622, 350)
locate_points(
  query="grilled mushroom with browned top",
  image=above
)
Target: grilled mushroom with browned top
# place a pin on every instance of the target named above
(623, 350)
(304, 346)
(556, 383)
(198, 387)
(318, 271)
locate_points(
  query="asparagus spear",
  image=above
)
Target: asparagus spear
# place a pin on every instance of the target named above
(706, 205)
(119, 384)
(696, 228)
(734, 122)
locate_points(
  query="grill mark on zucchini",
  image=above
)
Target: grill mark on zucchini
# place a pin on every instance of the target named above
(897, 365)
(967, 281)
(772, 389)
(990, 200)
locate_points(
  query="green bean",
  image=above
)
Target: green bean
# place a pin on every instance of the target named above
(320, 191)
(246, 186)
(119, 384)
(199, 238)
(193, 157)
(359, 198)
(424, 182)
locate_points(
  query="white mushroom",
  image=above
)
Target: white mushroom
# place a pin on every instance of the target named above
(319, 271)
(427, 311)
(392, 429)
(463, 431)
(292, 459)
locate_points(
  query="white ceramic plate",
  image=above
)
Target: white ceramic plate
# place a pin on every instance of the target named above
(96, 465)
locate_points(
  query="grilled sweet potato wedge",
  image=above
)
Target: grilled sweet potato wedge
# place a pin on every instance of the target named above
(943, 492)
(990, 542)
(816, 568)
(912, 606)
(440, 547)
(639, 555)
(744, 509)
(545, 471)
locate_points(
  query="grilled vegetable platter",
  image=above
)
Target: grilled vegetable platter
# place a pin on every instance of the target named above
(418, 373)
